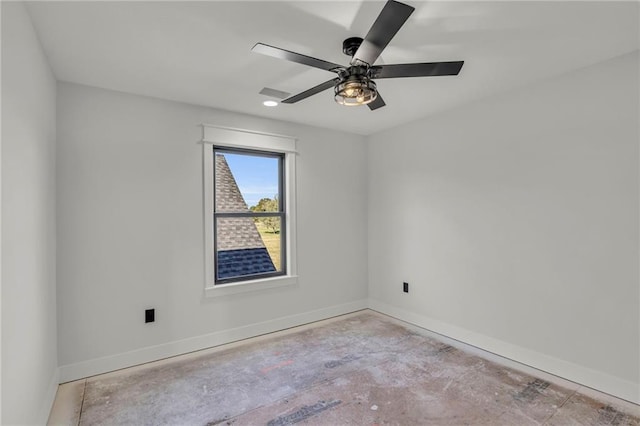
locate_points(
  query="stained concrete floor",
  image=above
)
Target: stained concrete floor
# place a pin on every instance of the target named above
(362, 369)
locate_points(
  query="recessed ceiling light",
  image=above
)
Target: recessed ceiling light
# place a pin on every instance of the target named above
(270, 103)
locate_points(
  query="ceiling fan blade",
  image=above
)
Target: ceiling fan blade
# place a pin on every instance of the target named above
(393, 16)
(427, 69)
(276, 52)
(317, 89)
(378, 102)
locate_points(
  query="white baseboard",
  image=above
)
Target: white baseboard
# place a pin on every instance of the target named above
(585, 376)
(106, 364)
(50, 397)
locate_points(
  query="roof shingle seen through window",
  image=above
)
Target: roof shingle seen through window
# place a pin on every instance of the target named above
(233, 233)
(228, 196)
(234, 263)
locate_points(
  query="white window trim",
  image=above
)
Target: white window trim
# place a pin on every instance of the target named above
(238, 138)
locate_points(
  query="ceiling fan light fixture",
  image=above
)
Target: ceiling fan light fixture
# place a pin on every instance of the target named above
(355, 91)
(354, 84)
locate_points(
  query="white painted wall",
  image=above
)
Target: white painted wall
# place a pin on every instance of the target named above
(515, 221)
(29, 361)
(130, 228)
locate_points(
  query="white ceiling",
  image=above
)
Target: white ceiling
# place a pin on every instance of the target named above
(200, 52)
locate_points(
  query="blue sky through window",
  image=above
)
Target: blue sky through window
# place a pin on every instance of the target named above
(257, 177)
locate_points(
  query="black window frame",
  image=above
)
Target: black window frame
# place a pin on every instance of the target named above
(281, 213)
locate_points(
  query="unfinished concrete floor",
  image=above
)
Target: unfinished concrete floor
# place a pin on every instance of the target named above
(363, 368)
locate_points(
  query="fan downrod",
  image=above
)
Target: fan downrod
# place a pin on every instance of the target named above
(351, 45)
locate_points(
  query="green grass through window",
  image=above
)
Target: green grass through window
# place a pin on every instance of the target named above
(272, 243)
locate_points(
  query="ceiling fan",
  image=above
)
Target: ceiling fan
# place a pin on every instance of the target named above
(354, 84)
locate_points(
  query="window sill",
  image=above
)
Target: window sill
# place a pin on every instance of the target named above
(250, 286)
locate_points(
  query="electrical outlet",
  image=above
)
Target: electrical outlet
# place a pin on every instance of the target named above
(405, 287)
(149, 315)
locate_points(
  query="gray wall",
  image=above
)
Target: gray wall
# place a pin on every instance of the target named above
(29, 361)
(515, 221)
(130, 224)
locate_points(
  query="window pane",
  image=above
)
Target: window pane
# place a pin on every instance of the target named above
(246, 182)
(251, 245)
(247, 246)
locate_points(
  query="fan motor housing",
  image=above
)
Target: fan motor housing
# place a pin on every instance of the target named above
(351, 45)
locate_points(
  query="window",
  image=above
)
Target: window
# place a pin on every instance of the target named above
(249, 210)
(249, 215)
